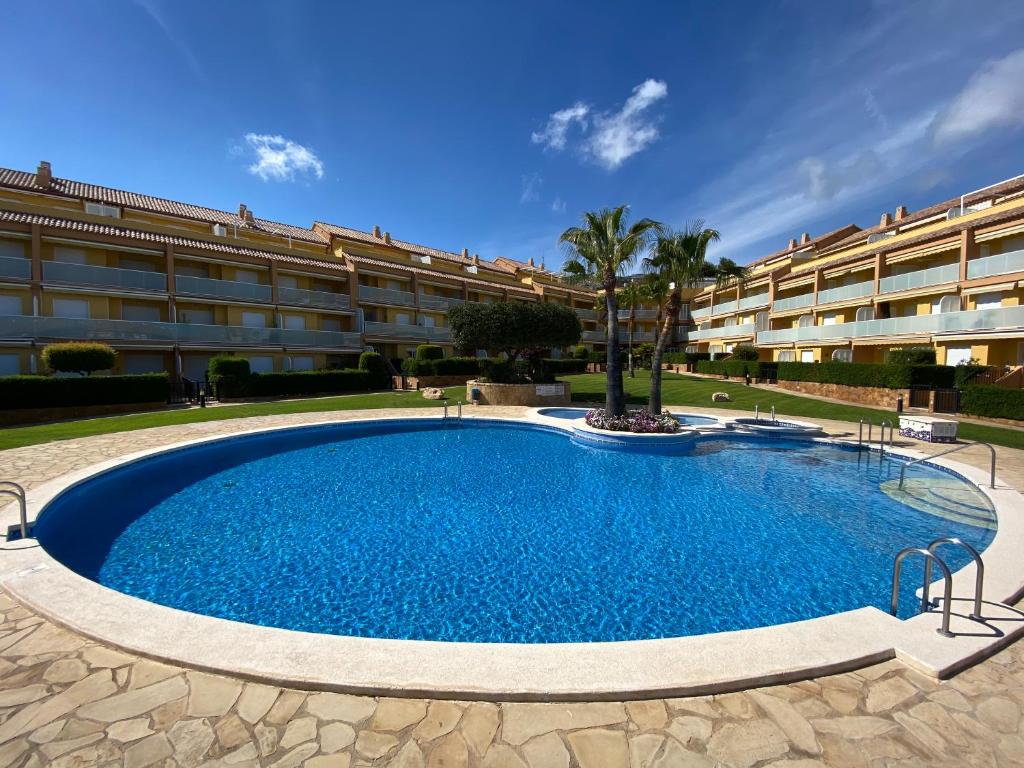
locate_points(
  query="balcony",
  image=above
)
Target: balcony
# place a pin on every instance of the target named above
(724, 331)
(846, 292)
(945, 322)
(222, 289)
(300, 297)
(921, 278)
(697, 314)
(753, 302)
(407, 331)
(793, 302)
(724, 308)
(107, 277)
(376, 295)
(593, 337)
(639, 314)
(639, 337)
(587, 314)
(1000, 264)
(434, 301)
(12, 266)
(93, 329)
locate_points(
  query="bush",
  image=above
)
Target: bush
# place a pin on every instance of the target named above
(228, 365)
(911, 356)
(580, 352)
(496, 370)
(888, 376)
(456, 366)
(566, 366)
(680, 358)
(373, 364)
(965, 373)
(735, 368)
(748, 352)
(79, 357)
(428, 352)
(306, 383)
(993, 402)
(597, 357)
(52, 392)
(640, 422)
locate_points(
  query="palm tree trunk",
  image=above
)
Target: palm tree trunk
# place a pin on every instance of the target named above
(614, 403)
(654, 401)
(632, 314)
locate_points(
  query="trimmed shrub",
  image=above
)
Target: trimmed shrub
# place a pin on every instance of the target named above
(965, 374)
(747, 352)
(53, 392)
(79, 357)
(373, 364)
(911, 356)
(307, 383)
(581, 353)
(496, 370)
(993, 402)
(228, 365)
(456, 366)
(428, 352)
(735, 368)
(886, 376)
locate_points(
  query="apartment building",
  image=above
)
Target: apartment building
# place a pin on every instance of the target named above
(170, 284)
(949, 276)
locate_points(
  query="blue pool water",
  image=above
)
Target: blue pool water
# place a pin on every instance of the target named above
(496, 532)
(578, 413)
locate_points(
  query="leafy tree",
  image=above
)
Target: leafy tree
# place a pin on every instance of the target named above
(601, 250)
(82, 357)
(746, 352)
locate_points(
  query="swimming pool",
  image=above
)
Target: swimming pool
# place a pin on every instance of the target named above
(496, 531)
(691, 419)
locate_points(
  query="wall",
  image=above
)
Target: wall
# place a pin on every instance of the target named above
(862, 395)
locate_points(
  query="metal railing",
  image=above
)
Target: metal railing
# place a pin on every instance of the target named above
(387, 295)
(435, 301)
(992, 468)
(12, 266)
(724, 330)
(925, 602)
(302, 297)
(979, 576)
(855, 291)
(11, 488)
(88, 274)
(752, 302)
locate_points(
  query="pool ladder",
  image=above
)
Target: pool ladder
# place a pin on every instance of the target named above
(458, 411)
(930, 556)
(881, 436)
(11, 488)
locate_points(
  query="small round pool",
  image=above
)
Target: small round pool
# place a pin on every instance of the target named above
(493, 531)
(691, 419)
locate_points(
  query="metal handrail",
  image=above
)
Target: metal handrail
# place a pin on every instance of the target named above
(11, 488)
(881, 436)
(925, 603)
(979, 579)
(458, 411)
(992, 471)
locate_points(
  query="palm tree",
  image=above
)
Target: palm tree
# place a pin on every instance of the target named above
(602, 249)
(727, 272)
(631, 295)
(680, 260)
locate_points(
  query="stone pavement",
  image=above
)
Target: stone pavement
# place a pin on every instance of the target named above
(70, 702)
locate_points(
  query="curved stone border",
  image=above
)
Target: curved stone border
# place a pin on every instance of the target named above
(556, 394)
(787, 427)
(693, 665)
(605, 438)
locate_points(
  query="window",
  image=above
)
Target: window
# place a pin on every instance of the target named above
(102, 209)
(78, 308)
(195, 317)
(261, 364)
(147, 312)
(427, 321)
(12, 249)
(294, 322)
(402, 318)
(805, 321)
(330, 324)
(842, 355)
(865, 313)
(830, 318)
(192, 270)
(287, 281)
(806, 355)
(142, 363)
(254, 320)
(10, 365)
(220, 230)
(946, 304)
(139, 265)
(302, 363)
(728, 347)
(394, 285)
(195, 366)
(729, 322)
(246, 276)
(10, 305)
(69, 255)
(761, 321)
(992, 300)
(958, 355)
(786, 356)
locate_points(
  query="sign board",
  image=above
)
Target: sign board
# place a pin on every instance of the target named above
(549, 390)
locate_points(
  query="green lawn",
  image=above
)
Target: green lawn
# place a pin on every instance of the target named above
(16, 437)
(693, 391)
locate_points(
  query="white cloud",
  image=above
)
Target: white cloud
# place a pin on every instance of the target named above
(620, 135)
(558, 205)
(824, 180)
(280, 159)
(532, 182)
(555, 133)
(992, 98)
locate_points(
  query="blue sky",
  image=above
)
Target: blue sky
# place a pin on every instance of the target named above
(492, 126)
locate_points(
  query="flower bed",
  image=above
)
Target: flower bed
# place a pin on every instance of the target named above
(639, 422)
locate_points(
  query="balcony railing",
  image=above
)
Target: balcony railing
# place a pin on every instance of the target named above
(222, 289)
(593, 336)
(724, 308)
(717, 333)
(12, 266)
(844, 292)
(110, 277)
(697, 314)
(640, 314)
(920, 278)
(793, 302)
(587, 314)
(407, 331)
(752, 302)
(27, 327)
(387, 296)
(639, 337)
(944, 322)
(1000, 264)
(433, 301)
(301, 297)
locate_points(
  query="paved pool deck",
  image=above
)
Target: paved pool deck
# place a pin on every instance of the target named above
(68, 701)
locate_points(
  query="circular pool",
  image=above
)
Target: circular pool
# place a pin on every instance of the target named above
(492, 531)
(688, 419)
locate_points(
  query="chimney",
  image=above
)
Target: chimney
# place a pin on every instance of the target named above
(387, 238)
(44, 176)
(242, 211)
(542, 267)
(529, 262)
(792, 244)
(376, 231)
(886, 220)
(476, 256)
(805, 238)
(249, 218)
(901, 212)
(465, 253)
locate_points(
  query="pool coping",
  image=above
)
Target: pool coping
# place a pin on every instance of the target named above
(694, 665)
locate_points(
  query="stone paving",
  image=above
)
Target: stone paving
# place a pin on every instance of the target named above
(70, 702)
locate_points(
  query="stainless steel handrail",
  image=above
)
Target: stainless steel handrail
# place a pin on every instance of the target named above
(992, 471)
(979, 579)
(458, 410)
(445, 417)
(881, 436)
(11, 488)
(925, 603)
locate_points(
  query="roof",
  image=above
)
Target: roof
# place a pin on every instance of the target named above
(77, 189)
(110, 230)
(523, 290)
(369, 238)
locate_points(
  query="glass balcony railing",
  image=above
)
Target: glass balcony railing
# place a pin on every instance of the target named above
(793, 302)
(1000, 264)
(697, 314)
(845, 292)
(717, 333)
(639, 337)
(639, 314)
(587, 314)
(109, 277)
(222, 289)
(386, 296)
(944, 322)
(724, 308)
(94, 329)
(300, 297)
(921, 278)
(593, 336)
(752, 302)
(12, 266)
(407, 331)
(434, 301)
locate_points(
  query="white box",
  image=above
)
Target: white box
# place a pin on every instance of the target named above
(928, 428)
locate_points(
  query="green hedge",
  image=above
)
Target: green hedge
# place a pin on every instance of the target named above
(303, 383)
(79, 357)
(869, 374)
(429, 352)
(373, 364)
(51, 392)
(966, 373)
(228, 365)
(911, 356)
(447, 366)
(681, 358)
(735, 368)
(994, 402)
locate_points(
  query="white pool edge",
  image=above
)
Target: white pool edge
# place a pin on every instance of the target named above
(695, 665)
